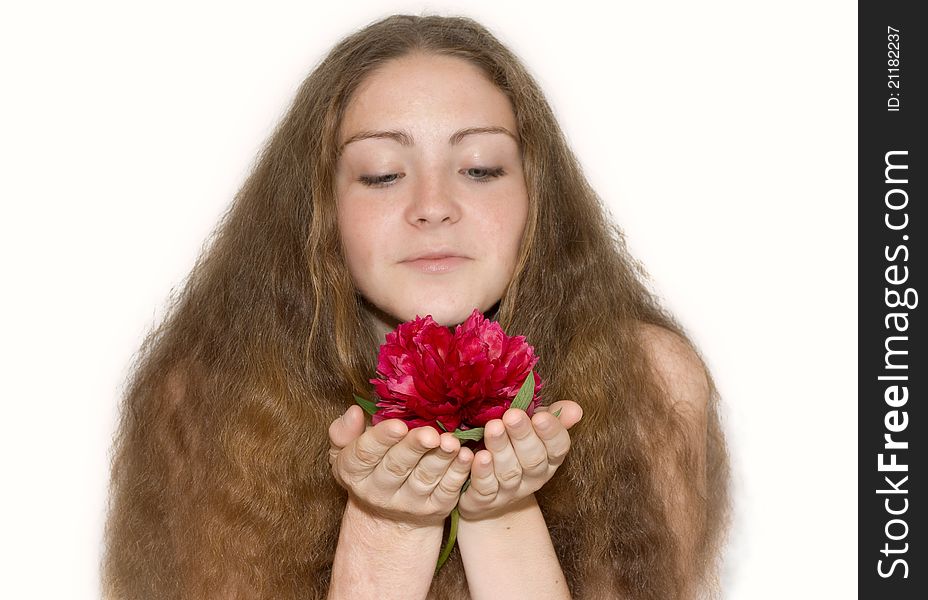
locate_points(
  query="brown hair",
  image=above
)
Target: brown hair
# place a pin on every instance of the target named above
(220, 481)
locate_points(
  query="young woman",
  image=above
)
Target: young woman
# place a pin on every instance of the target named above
(419, 171)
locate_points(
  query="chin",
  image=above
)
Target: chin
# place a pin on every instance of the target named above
(452, 321)
(449, 317)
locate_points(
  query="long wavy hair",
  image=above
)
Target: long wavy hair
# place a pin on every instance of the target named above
(220, 483)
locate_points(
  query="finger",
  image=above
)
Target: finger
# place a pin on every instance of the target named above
(433, 465)
(368, 450)
(347, 427)
(448, 489)
(570, 412)
(401, 459)
(529, 449)
(343, 431)
(554, 436)
(483, 480)
(506, 464)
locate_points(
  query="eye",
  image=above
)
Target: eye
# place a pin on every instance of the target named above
(380, 180)
(483, 174)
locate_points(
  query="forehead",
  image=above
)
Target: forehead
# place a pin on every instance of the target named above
(426, 92)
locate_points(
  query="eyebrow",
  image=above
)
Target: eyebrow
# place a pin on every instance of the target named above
(406, 140)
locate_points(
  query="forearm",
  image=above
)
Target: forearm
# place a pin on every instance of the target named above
(382, 559)
(511, 556)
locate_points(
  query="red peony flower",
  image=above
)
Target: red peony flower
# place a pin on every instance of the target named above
(412, 364)
(460, 381)
(487, 369)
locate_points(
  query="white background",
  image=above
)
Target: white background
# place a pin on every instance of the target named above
(723, 135)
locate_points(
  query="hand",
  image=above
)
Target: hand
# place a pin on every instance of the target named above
(409, 476)
(521, 455)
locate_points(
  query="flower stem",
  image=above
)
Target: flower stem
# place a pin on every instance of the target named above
(446, 551)
(452, 534)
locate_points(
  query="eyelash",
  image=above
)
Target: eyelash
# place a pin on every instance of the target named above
(380, 180)
(385, 180)
(490, 175)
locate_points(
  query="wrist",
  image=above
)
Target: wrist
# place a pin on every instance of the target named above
(363, 519)
(497, 552)
(507, 515)
(381, 558)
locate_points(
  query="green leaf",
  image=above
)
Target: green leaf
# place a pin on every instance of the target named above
(524, 397)
(442, 425)
(557, 413)
(368, 406)
(475, 434)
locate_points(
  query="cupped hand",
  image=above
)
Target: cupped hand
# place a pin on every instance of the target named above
(521, 455)
(408, 476)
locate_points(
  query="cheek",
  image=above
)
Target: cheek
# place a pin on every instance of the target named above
(361, 232)
(505, 223)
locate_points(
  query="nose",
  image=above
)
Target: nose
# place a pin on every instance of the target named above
(433, 201)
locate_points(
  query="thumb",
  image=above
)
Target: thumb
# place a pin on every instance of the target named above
(570, 412)
(347, 427)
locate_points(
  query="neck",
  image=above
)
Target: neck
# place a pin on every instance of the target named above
(381, 323)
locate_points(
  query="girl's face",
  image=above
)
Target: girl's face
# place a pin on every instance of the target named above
(430, 167)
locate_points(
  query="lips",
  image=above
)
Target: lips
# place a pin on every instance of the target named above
(436, 262)
(434, 255)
